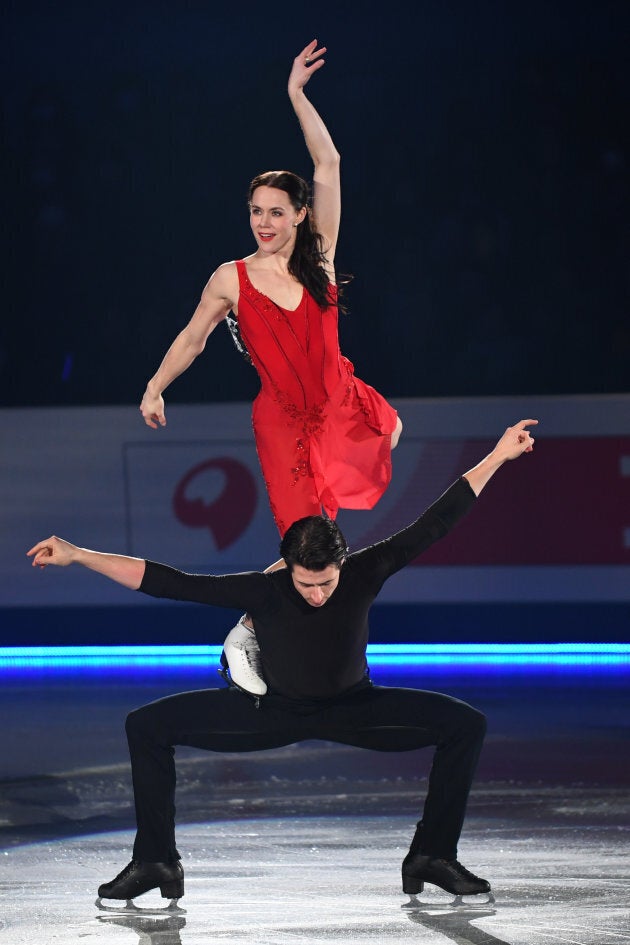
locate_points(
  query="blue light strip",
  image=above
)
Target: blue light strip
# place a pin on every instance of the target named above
(24, 659)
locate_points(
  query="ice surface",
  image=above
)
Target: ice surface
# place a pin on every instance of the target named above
(304, 844)
(323, 880)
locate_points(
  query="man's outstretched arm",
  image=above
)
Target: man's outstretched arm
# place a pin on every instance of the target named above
(119, 568)
(245, 591)
(515, 441)
(398, 550)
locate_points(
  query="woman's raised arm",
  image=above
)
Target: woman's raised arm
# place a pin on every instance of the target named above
(325, 157)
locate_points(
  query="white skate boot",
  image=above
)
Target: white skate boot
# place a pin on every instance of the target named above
(242, 655)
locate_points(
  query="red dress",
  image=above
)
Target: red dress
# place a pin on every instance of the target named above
(323, 436)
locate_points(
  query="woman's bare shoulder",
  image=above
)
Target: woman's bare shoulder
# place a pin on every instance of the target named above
(224, 281)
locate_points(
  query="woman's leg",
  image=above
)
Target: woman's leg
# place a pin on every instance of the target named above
(396, 434)
(241, 652)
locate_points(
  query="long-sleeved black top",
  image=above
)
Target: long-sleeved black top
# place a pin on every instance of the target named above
(315, 652)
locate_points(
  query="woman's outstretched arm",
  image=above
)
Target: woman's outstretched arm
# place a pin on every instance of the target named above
(216, 301)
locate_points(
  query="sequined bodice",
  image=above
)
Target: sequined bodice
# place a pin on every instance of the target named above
(296, 352)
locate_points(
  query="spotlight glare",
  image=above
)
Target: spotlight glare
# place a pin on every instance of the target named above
(24, 660)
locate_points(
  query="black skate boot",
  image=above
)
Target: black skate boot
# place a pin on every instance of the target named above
(450, 875)
(138, 878)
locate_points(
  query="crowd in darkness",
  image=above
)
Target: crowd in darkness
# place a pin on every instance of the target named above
(485, 223)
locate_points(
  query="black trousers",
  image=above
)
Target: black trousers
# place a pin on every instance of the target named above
(376, 717)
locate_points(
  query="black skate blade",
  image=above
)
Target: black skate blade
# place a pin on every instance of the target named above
(130, 908)
(480, 901)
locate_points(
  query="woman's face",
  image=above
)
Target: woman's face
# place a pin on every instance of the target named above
(273, 219)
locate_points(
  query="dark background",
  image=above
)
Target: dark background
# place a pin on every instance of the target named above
(485, 182)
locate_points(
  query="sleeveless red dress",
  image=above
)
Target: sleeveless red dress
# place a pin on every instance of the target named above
(323, 436)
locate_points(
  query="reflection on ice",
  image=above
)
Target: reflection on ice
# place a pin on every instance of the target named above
(455, 924)
(150, 930)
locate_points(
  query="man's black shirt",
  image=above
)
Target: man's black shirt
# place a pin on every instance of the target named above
(315, 652)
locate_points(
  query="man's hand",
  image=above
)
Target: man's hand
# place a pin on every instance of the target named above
(52, 550)
(515, 441)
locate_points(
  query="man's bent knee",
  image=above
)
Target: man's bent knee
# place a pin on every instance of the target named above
(475, 722)
(467, 719)
(139, 723)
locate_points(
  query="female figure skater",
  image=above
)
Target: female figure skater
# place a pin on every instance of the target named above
(323, 436)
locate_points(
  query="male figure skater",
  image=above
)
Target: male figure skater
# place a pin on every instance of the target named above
(311, 622)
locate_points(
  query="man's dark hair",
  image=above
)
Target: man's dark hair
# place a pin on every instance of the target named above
(313, 542)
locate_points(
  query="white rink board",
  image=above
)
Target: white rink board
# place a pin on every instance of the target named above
(100, 478)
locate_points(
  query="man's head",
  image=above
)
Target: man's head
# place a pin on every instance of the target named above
(314, 550)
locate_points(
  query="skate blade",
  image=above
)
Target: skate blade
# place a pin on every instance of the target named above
(478, 901)
(130, 908)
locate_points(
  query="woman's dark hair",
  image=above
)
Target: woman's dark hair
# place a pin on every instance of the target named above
(314, 543)
(308, 258)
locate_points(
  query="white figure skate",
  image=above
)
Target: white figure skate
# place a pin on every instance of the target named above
(242, 655)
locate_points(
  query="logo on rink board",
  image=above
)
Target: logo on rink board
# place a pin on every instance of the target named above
(228, 515)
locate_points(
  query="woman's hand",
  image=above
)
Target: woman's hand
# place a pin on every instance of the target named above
(304, 65)
(152, 409)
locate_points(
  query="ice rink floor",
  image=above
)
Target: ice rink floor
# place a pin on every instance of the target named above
(304, 844)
